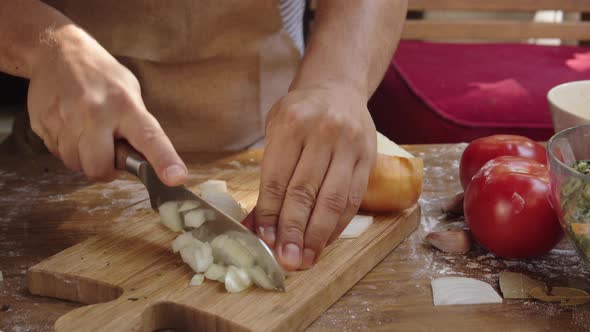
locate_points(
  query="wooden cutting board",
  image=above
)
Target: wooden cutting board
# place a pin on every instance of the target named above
(134, 282)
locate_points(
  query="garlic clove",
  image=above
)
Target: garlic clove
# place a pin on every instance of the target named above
(452, 241)
(454, 206)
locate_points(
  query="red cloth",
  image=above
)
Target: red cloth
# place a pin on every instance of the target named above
(441, 92)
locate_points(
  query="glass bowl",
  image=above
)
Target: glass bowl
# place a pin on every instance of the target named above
(570, 189)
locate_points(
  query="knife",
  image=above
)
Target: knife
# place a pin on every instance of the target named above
(128, 159)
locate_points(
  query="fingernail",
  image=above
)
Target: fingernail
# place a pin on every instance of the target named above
(291, 254)
(175, 172)
(308, 258)
(268, 233)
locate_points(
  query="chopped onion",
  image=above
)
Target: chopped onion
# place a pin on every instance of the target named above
(183, 240)
(236, 280)
(198, 256)
(226, 203)
(197, 280)
(259, 277)
(170, 216)
(188, 205)
(209, 214)
(358, 225)
(194, 218)
(459, 290)
(213, 186)
(216, 272)
(231, 252)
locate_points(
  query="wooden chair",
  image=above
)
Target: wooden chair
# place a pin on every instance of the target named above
(453, 80)
(497, 29)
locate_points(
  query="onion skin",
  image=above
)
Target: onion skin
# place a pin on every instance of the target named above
(395, 184)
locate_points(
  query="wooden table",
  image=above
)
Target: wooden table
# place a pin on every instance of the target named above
(38, 194)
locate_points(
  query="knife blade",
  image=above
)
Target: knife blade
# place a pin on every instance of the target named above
(128, 159)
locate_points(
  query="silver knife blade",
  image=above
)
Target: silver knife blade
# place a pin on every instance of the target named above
(220, 223)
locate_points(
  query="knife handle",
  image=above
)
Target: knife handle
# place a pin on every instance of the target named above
(127, 158)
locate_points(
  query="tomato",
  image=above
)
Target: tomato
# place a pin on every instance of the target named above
(484, 149)
(507, 208)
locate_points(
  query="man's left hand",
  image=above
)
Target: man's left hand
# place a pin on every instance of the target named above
(320, 149)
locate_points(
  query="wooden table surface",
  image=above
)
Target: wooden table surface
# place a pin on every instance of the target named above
(37, 194)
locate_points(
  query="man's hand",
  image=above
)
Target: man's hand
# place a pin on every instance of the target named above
(81, 99)
(320, 149)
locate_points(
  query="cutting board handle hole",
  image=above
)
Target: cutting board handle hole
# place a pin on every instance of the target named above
(174, 317)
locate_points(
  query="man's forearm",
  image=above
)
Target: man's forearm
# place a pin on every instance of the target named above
(352, 42)
(25, 27)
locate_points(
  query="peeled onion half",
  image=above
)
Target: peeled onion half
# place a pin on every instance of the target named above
(459, 290)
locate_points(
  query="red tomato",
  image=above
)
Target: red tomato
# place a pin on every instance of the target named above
(484, 149)
(508, 211)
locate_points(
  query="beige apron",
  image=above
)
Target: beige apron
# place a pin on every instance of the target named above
(209, 70)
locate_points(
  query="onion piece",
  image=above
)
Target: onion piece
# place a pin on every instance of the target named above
(231, 252)
(213, 186)
(358, 225)
(188, 205)
(194, 218)
(226, 203)
(170, 216)
(236, 280)
(209, 214)
(197, 279)
(198, 256)
(216, 272)
(259, 277)
(389, 148)
(181, 241)
(459, 290)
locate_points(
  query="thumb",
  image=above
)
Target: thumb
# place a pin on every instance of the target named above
(146, 135)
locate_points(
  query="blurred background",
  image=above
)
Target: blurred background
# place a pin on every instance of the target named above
(452, 23)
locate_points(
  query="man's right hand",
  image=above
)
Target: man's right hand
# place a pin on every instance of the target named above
(81, 99)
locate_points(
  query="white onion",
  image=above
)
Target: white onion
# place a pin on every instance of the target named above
(231, 252)
(198, 256)
(213, 186)
(259, 277)
(197, 279)
(236, 280)
(226, 203)
(170, 216)
(181, 241)
(194, 218)
(209, 214)
(358, 225)
(216, 272)
(459, 290)
(388, 147)
(188, 205)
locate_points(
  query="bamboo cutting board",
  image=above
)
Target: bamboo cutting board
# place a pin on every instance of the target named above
(134, 282)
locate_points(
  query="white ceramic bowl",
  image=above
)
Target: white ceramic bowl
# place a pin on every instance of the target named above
(570, 104)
